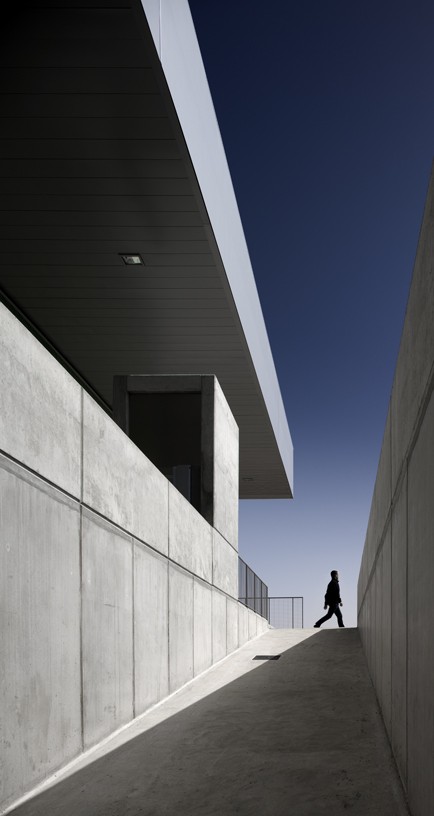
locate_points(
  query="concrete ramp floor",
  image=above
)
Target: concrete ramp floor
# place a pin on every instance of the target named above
(297, 736)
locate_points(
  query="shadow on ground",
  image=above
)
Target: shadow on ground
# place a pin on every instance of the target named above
(299, 736)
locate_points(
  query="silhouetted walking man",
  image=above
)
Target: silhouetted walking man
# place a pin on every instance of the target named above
(332, 600)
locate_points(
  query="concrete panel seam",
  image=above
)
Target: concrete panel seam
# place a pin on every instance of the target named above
(377, 555)
(69, 766)
(168, 621)
(119, 527)
(192, 627)
(227, 540)
(128, 534)
(395, 493)
(388, 520)
(155, 553)
(14, 309)
(106, 523)
(81, 445)
(81, 629)
(133, 617)
(406, 629)
(35, 479)
(423, 407)
(212, 627)
(226, 625)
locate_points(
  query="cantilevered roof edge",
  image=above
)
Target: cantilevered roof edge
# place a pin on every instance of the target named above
(176, 43)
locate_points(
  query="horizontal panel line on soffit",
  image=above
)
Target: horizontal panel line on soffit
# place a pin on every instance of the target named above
(81, 276)
(136, 284)
(224, 360)
(112, 244)
(102, 321)
(227, 361)
(77, 117)
(107, 312)
(147, 196)
(100, 187)
(210, 349)
(123, 296)
(76, 262)
(143, 175)
(121, 220)
(46, 246)
(99, 234)
(99, 206)
(61, 93)
(106, 278)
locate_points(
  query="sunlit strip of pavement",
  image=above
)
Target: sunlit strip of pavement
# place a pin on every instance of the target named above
(298, 735)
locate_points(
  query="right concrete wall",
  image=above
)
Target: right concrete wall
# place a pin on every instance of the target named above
(396, 581)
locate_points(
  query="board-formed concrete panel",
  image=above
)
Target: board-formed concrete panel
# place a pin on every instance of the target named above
(421, 619)
(252, 624)
(40, 407)
(385, 649)
(243, 624)
(40, 629)
(225, 565)
(180, 627)
(416, 353)
(262, 625)
(151, 627)
(202, 627)
(190, 536)
(381, 501)
(231, 625)
(399, 630)
(107, 627)
(226, 469)
(219, 644)
(120, 482)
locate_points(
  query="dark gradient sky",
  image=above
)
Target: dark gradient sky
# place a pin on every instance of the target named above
(326, 110)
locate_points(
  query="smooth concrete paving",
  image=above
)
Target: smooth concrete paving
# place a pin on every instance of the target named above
(298, 736)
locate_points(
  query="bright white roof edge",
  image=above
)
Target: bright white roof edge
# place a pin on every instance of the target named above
(175, 39)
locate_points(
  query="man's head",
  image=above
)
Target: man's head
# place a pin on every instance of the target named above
(335, 575)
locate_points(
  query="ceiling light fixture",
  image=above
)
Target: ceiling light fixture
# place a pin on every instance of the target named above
(132, 260)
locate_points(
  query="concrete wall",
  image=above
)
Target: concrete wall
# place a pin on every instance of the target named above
(395, 590)
(114, 591)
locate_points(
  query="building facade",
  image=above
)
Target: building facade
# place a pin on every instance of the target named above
(138, 397)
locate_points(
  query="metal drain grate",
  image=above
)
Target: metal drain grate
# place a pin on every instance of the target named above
(266, 657)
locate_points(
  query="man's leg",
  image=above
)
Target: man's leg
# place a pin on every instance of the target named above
(326, 617)
(338, 614)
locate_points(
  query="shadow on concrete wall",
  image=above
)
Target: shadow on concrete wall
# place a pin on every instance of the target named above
(300, 735)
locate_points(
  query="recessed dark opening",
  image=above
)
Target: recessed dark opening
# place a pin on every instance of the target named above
(266, 657)
(167, 428)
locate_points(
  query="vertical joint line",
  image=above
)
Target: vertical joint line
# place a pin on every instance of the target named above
(133, 616)
(406, 626)
(82, 445)
(80, 550)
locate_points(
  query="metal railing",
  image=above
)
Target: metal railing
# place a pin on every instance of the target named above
(281, 612)
(252, 592)
(286, 612)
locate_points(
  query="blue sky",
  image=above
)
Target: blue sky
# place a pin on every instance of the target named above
(326, 110)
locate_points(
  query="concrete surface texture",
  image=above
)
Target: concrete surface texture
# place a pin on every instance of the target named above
(114, 590)
(300, 735)
(395, 597)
